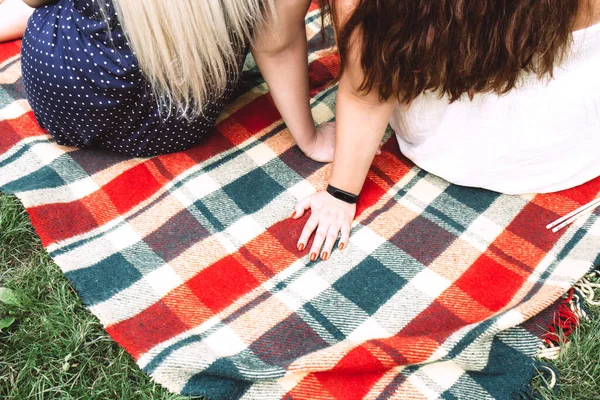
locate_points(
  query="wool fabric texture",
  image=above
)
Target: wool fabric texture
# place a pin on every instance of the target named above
(189, 259)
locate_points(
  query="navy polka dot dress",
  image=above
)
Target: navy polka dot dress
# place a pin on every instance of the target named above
(86, 90)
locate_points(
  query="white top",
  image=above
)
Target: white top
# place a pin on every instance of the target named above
(542, 136)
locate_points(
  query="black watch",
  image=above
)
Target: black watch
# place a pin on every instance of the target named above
(342, 195)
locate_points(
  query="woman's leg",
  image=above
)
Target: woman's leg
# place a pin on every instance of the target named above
(13, 19)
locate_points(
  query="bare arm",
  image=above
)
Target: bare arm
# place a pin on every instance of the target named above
(13, 19)
(280, 50)
(361, 122)
(38, 3)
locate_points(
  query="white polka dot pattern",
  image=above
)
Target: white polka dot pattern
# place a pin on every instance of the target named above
(86, 89)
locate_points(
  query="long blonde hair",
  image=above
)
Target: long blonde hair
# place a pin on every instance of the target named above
(189, 49)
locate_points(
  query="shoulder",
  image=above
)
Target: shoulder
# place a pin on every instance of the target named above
(588, 15)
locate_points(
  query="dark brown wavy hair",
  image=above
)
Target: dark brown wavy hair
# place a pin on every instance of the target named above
(454, 46)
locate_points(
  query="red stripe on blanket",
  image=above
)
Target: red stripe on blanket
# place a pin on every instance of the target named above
(490, 283)
(220, 284)
(10, 137)
(534, 218)
(178, 163)
(287, 233)
(10, 49)
(215, 287)
(386, 171)
(214, 144)
(436, 322)
(15, 130)
(150, 327)
(52, 226)
(332, 62)
(254, 117)
(369, 195)
(565, 201)
(584, 193)
(322, 72)
(343, 382)
(131, 188)
(124, 192)
(392, 162)
(417, 349)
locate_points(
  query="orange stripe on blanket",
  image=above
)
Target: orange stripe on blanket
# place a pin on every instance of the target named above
(563, 202)
(15, 130)
(309, 388)
(124, 193)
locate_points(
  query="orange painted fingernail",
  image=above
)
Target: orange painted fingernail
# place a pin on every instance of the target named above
(293, 214)
(324, 256)
(341, 246)
(301, 247)
(313, 256)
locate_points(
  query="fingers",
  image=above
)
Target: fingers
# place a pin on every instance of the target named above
(318, 241)
(309, 228)
(301, 207)
(326, 235)
(329, 217)
(344, 235)
(330, 239)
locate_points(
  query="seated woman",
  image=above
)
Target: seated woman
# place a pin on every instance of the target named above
(503, 95)
(151, 77)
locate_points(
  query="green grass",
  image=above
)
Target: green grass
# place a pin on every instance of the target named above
(56, 349)
(579, 362)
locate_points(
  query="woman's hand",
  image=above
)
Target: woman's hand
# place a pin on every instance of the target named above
(329, 217)
(322, 146)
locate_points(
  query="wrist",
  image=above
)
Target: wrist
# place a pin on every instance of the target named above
(307, 142)
(342, 195)
(349, 181)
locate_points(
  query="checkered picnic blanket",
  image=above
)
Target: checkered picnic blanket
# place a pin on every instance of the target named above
(189, 259)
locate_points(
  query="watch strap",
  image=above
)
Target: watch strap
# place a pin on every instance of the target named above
(342, 195)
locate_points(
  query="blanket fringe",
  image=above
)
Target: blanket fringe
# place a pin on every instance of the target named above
(573, 308)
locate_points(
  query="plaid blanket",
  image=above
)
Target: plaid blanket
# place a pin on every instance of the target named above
(189, 259)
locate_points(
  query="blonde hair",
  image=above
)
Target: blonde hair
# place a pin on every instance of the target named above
(189, 49)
